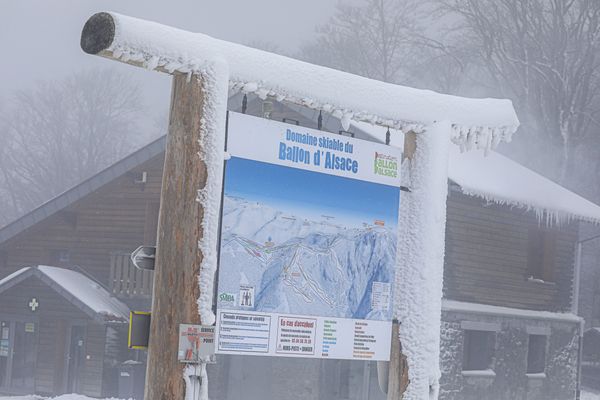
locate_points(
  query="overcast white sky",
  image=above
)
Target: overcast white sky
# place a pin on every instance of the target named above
(39, 39)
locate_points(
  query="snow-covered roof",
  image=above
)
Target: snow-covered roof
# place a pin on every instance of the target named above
(346, 96)
(77, 288)
(82, 189)
(498, 179)
(594, 330)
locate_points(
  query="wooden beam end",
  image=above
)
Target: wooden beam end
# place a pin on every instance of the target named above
(98, 33)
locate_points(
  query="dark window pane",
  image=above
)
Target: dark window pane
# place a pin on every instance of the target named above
(541, 254)
(478, 350)
(536, 354)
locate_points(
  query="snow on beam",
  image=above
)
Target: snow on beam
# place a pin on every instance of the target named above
(476, 122)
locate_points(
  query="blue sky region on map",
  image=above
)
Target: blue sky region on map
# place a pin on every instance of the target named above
(311, 194)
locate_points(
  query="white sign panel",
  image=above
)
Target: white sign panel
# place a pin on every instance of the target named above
(196, 342)
(308, 244)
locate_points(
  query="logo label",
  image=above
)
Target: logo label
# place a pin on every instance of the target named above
(386, 165)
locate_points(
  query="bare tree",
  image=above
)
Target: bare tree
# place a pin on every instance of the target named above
(60, 133)
(543, 55)
(375, 38)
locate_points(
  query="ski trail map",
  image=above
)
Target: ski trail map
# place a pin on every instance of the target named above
(308, 243)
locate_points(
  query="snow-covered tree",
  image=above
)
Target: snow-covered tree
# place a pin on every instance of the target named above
(59, 133)
(543, 54)
(373, 38)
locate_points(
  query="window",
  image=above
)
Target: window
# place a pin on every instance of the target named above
(536, 354)
(541, 254)
(151, 223)
(478, 350)
(62, 256)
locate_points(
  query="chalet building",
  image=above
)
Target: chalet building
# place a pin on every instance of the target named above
(510, 328)
(589, 304)
(508, 331)
(41, 304)
(67, 285)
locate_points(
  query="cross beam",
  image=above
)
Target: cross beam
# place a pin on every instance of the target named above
(347, 96)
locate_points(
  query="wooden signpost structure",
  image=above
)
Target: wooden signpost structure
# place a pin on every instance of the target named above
(179, 256)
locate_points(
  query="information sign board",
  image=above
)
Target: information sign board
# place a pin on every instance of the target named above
(308, 243)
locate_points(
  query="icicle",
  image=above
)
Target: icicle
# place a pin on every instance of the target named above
(172, 66)
(346, 121)
(496, 137)
(137, 57)
(152, 63)
(337, 113)
(250, 87)
(262, 93)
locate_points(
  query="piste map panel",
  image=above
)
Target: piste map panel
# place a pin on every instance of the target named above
(308, 243)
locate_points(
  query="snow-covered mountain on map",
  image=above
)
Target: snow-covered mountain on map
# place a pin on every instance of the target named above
(301, 266)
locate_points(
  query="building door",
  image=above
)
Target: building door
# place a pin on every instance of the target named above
(24, 356)
(18, 350)
(76, 358)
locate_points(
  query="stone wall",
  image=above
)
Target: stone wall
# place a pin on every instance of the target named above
(509, 380)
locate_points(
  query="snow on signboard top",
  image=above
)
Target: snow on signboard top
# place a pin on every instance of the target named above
(346, 96)
(80, 287)
(497, 178)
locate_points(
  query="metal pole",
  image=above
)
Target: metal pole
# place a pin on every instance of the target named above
(576, 279)
(579, 359)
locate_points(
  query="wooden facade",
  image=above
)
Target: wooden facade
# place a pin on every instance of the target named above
(488, 256)
(107, 222)
(93, 235)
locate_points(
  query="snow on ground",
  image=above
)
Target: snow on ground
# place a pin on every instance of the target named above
(71, 396)
(585, 395)
(29, 397)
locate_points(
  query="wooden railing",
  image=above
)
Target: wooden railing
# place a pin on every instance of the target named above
(126, 280)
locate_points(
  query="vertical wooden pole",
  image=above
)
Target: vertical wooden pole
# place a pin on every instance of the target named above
(410, 145)
(398, 368)
(179, 230)
(393, 389)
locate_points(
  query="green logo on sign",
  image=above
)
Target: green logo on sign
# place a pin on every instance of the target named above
(226, 298)
(386, 165)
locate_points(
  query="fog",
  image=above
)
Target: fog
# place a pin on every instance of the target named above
(327, 236)
(41, 38)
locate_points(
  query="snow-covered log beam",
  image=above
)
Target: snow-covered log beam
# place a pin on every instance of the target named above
(479, 123)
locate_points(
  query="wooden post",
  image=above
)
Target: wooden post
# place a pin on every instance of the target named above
(398, 367)
(410, 145)
(179, 230)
